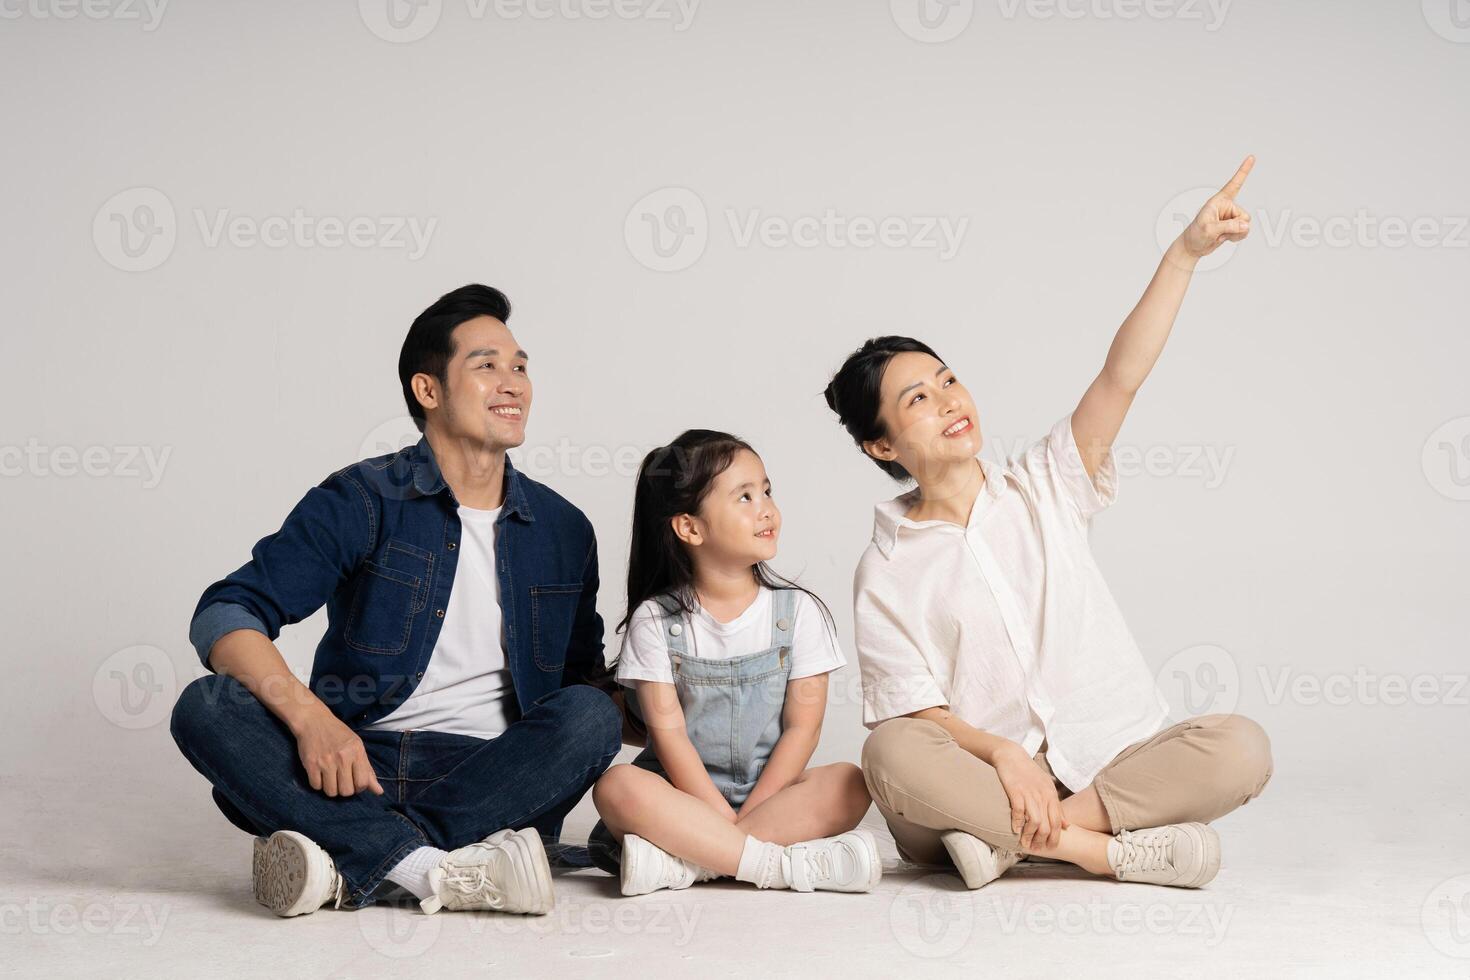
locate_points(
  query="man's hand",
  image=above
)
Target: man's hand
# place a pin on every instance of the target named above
(1221, 220)
(334, 757)
(1036, 812)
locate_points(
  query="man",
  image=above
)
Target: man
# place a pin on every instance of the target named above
(451, 720)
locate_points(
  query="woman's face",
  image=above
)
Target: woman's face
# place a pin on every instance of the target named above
(929, 417)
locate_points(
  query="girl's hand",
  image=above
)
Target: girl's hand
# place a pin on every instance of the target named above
(1036, 812)
(1221, 220)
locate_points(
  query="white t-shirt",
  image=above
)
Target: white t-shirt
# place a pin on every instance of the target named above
(466, 687)
(645, 650)
(1008, 620)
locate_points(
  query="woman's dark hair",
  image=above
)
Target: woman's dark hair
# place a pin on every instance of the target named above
(430, 341)
(673, 480)
(854, 392)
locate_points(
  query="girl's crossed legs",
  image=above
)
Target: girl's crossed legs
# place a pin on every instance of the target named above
(822, 802)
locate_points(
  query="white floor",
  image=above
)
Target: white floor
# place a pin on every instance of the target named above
(115, 879)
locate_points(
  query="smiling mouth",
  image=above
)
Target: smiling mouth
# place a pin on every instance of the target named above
(769, 532)
(963, 425)
(508, 411)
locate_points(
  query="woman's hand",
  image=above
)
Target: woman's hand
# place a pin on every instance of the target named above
(1036, 812)
(1221, 220)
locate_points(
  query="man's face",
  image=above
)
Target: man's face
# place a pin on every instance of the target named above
(488, 396)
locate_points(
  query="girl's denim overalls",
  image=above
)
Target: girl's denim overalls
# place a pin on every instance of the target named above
(732, 709)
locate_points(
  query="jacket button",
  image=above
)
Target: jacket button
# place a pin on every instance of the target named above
(452, 546)
(439, 613)
(675, 629)
(782, 625)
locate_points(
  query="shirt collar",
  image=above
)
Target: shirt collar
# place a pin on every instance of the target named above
(429, 480)
(888, 515)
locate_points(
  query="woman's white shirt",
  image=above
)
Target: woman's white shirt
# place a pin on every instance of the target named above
(1007, 621)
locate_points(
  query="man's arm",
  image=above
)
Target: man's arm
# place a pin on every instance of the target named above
(1141, 338)
(290, 575)
(333, 755)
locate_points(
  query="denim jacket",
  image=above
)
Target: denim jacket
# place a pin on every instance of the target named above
(377, 543)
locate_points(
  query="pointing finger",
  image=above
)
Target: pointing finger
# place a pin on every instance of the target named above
(1235, 183)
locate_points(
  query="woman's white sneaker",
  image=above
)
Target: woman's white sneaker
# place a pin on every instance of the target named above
(846, 863)
(1184, 855)
(977, 862)
(291, 875)
(648, 868)
(505, 872)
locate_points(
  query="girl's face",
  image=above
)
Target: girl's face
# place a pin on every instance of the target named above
(738, 521)
(929, 417)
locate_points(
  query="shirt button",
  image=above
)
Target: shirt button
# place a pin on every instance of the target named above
(452, 546)
(675, 630)
(439, 613)
(782, 625)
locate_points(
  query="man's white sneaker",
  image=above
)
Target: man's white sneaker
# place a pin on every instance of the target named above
(647, 868)
(291, 875)
(978, 863)
(505, 872)
(1185, 855)
(846, 863)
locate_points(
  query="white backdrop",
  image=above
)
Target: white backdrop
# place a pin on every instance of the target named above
(219, 220)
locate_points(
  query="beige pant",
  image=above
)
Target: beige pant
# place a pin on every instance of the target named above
(924, 783)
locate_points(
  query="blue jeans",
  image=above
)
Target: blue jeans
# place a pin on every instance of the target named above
(440, 790)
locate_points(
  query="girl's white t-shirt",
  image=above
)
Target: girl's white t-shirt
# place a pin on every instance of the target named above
(645, 649)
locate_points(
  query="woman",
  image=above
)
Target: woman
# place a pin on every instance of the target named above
(1012, 711)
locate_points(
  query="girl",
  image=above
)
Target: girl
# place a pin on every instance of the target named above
(1013, 712)
(730, 666)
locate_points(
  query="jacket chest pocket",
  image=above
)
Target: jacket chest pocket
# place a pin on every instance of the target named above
(553, 613)
(390, 591)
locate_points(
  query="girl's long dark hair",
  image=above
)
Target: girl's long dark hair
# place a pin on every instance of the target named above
(673, 480)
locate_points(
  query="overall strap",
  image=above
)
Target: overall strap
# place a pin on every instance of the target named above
(674, 624)
(783, 616)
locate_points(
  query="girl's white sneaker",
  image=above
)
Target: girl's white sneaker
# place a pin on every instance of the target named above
(846, 863)
(291, 875)
(648, 868)
(978, 863)
(505, 872)
(1183, 855)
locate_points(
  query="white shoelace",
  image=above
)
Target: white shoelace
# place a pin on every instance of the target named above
(473, 883)
(1152, 853)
